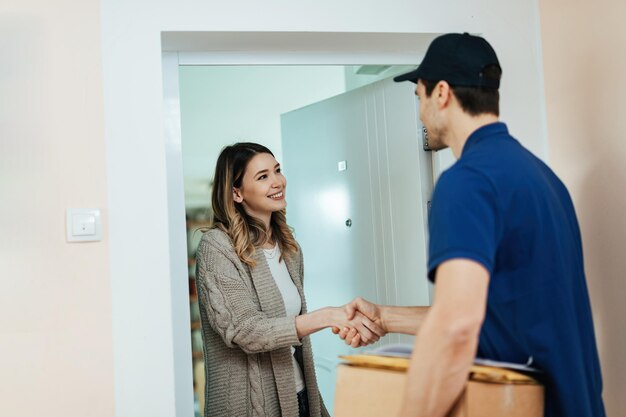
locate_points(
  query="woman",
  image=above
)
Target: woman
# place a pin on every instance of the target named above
(258, 358)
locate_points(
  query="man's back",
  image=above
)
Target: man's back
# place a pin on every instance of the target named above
(502, 207)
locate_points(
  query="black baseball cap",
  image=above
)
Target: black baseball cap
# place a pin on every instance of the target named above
(458, 59)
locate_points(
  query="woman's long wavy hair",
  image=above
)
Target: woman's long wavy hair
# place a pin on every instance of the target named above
(246, 232)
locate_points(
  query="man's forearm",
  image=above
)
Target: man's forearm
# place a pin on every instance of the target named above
(405, 320)
(447, 340)
(442, 357)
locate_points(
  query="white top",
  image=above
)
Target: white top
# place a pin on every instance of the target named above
(291, 298)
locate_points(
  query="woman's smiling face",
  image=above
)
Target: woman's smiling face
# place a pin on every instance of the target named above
(262, 190)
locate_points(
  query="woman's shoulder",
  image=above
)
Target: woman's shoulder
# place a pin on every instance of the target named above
(216, 239)
(216, 251)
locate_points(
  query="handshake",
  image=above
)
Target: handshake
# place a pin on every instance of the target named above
(358, 323)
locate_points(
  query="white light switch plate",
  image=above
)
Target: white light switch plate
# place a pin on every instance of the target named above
(83, 225)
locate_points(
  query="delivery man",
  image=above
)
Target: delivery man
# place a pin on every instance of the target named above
(505, 251)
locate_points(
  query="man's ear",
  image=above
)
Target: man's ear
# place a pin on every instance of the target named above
(444, 93)
(237, 197)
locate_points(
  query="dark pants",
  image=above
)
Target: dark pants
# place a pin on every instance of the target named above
(303, 403)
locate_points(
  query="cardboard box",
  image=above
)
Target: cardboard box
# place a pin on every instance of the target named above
(374, 392)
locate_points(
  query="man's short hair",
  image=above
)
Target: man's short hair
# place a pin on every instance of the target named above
(475, 100)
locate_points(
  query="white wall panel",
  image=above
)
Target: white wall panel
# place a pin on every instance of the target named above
(339, 260)
(383, 193)
(408, 178)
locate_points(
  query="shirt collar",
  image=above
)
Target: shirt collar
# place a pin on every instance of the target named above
(492, 129)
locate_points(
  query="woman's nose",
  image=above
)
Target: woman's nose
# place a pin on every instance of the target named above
(276, 181)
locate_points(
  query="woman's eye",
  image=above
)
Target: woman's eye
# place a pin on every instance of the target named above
(278, 170)
(262, 177)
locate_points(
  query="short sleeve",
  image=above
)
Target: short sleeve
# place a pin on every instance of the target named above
(463, 220)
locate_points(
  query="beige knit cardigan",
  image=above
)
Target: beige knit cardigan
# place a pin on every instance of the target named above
(247, 336)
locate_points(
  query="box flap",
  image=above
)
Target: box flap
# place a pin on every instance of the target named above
(477, 372)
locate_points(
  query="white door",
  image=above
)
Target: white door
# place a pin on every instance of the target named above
(358, 186)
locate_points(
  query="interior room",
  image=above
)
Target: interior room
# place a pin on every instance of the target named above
(224, 104)
(94, 116)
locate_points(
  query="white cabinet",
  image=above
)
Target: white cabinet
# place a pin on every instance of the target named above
(363, 229)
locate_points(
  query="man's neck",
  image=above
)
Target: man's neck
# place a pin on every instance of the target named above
(463, 126)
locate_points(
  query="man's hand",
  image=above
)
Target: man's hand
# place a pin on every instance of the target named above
(361, 308)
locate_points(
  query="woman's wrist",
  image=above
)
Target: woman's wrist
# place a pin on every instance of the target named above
(336, 316)
(317, 320)
(328, 316)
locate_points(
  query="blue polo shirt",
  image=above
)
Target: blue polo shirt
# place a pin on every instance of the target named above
(501, 206)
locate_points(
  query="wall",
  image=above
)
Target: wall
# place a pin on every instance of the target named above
(584, 50)
(56, 348)
(136, 147)
(223, 104)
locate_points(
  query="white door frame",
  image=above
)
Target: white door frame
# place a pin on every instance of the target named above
(245, 48)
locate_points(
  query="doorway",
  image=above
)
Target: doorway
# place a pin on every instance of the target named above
(191, 49)
(308, 116)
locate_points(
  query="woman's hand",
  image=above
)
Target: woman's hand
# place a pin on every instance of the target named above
(365, 308)
(358, 329)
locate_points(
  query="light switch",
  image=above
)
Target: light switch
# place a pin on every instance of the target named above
(83, 225)
(342, 165)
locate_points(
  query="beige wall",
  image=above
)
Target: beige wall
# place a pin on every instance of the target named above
(584, 52)
(56, 354)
